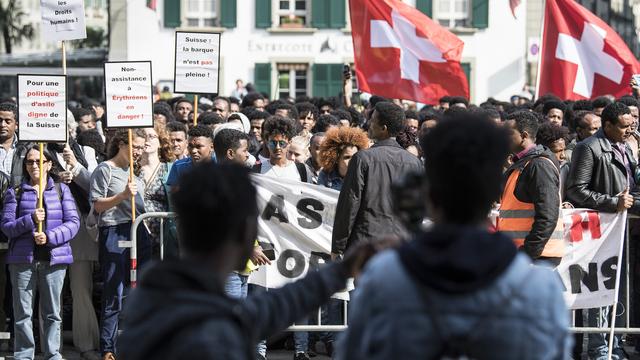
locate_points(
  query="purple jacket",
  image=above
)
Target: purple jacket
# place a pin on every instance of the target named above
(61, 224)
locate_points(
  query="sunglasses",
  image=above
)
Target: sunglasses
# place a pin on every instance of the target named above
(275, 143)
(35, 162)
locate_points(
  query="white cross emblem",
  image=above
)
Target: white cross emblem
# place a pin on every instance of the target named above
(588, 53)
(403, 36)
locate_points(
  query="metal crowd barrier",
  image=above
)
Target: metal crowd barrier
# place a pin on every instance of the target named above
(167, 215)
(627, 329)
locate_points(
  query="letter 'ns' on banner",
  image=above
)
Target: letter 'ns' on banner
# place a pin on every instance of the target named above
(42, 108)
(128, 94)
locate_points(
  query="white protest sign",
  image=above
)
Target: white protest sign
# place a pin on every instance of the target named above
(42, 108)
(296, 219)
(197, 62)
(62, 20)
(593, 243)
(128, 94)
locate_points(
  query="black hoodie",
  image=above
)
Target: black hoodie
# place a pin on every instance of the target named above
(180, 312)
(454, 259)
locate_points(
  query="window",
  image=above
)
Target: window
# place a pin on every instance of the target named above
(201, 13)
(292, 13)
(292, 80)
(452, 13)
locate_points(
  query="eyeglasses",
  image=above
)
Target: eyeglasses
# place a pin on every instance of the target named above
(35, 162)
(275, 143)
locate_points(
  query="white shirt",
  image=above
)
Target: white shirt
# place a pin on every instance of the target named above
(281, 172)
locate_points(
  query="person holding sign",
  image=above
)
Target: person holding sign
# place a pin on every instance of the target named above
(38, 260)
(111, 193)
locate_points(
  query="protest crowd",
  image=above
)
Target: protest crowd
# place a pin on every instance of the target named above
(436, 228)
(529, 156)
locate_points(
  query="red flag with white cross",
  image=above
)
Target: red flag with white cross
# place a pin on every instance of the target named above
(402, 54)
(582, 57)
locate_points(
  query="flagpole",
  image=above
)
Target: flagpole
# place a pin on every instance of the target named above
(540, 52)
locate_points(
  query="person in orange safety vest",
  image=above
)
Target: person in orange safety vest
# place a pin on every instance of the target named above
(530, 202)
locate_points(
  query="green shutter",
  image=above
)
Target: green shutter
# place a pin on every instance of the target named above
(320, 14)
(466, 67)
(337, 15)
(228, 12)
(327, 80)
(425, 6)
(262, 78)
(335, 79)
(480, 14)
(172, 13)
(320, 80)
(263, 14)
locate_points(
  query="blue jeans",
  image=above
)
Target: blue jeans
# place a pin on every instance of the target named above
(236, 286)
(47, 280)
(115, 265)
(261, 348)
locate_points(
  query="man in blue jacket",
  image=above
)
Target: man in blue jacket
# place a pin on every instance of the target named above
(457, 290)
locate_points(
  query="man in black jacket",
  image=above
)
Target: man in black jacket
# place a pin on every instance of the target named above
(180, 310)
(601, 177)
(537, 188)
(365, 206)
(602, 167)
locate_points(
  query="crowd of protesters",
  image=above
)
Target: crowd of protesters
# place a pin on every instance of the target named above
(530, 156)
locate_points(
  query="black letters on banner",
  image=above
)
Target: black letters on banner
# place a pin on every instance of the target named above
(298, 267)
(275, 207)
(609, 272)
(590, 278)
(311, 219)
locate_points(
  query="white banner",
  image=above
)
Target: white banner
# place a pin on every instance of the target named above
(594, 243)
(197, 62)
(296, 219)
(128, 94)
(62, 20)
(42, 108)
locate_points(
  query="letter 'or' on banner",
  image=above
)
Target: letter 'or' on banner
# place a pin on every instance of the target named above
(129, 94)
(62, 20)
(42, 108)
(197, 64)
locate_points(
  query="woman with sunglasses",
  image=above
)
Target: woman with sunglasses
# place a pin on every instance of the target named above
(38, 259)
(111, 193)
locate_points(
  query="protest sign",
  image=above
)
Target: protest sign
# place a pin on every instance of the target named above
(197, 65)
(42, 108)
(593, 243)
(128, 94)
(296, 220)
(62, 20)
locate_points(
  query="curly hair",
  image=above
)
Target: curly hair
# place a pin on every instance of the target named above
(277, 125)
(336, 141)
(548, 133)
(165, 152)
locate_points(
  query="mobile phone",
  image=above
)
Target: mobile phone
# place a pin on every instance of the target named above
(636, 78)
(270, 254)
(346, 71)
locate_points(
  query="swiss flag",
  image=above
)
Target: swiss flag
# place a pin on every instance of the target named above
(582, 57)
(402, 54)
